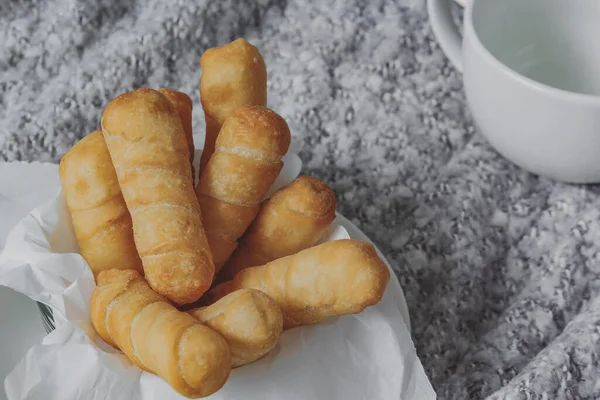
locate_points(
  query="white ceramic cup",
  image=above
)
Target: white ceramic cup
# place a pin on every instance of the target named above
(531, 71)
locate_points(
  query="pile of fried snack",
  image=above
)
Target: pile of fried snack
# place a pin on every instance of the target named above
(192, 282)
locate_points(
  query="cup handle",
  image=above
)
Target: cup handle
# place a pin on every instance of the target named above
(445, 30)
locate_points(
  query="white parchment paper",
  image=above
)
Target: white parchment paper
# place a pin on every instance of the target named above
(364, 356)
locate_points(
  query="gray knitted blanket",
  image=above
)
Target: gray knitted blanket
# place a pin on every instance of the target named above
(500, 268)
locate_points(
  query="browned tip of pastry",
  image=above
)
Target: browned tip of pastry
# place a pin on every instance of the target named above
(79, 152)
(204, 361)
(265, 307)
(370, 280)
(262, 305)
(132, 110)
(232, 75)
(238, 49)
(249, 320)
(307, 195)
(256, 132)
(254, 310)
(91, 140)
(112, 275)
(81, 167)
(177, 98)
(239, 43)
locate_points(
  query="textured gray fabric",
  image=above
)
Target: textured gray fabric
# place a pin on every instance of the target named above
(500, 268)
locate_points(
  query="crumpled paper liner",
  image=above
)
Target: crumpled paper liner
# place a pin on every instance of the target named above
(364, 356)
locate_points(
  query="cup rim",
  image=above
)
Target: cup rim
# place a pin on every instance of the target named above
(585, 98)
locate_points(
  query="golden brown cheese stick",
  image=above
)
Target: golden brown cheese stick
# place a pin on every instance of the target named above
(157, 337)
(334, 278)
(146, 141)
(100, 218)
(183, 105)
(245, 164)
(292, 219)
(233, 75)
(249, 320)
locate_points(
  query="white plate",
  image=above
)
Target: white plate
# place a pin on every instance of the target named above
(21, 328)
